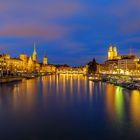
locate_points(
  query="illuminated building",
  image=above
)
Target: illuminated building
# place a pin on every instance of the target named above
(110, 53)
(45, 67)
(125, 64)
(30, 66)
(113, 53)
(34, 56)
(45, 60)
(2, 65)
(15, 65)
(48, 69)
(24, 64)
(137, 61)
(111, 66)
(102, 68)
(23, 57)
(72, 70)
(6, 56)
(10, 65)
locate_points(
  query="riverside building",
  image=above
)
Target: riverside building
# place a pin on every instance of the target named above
(116, 64)
(24, 64)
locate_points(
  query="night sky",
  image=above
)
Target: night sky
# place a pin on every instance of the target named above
(69, 31)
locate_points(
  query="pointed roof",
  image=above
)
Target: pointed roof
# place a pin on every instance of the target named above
(30, 58)
(34, 48)
(115, 48)
(45, 56)
(110, 47)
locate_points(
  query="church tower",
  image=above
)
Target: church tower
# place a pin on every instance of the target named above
(34, 56)
(30, 64)
(115, 53)
(45, 60)
(110, 53)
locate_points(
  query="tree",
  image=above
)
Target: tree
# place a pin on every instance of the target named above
(92, 66)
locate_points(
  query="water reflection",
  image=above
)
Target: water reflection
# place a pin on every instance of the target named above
(66, 87)
(135, 108)
(119, 103)
(115, 103)
(71, 97)
(110, 101)
(91, 87)
(25, 92)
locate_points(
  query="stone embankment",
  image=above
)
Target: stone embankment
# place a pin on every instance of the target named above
(10, 79)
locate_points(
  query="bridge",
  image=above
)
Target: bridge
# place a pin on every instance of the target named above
(71, 72)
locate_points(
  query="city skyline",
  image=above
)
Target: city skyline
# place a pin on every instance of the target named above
(40, 59)
(69, 32)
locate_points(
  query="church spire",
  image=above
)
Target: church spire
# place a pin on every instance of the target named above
(45, 59)
(35, 48)
(45, 54)
(115, 53)
(110, 52)
(34, 56)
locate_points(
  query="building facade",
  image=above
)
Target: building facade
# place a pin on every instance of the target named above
(112, 53)
(115, 64)
(24, 64)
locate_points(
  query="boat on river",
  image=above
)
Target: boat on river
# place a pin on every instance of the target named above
(94, 78)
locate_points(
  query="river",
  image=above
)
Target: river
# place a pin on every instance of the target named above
(67, 107)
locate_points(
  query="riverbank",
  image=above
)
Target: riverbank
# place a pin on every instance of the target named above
(131, 85)
(10, 79)
(128, 82)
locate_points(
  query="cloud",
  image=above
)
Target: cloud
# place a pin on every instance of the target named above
(132, 27)
(45, 10)
(71, 27)
(23, 18)
(132, 40)
(127, 16)
(51, 32)
(73, 47)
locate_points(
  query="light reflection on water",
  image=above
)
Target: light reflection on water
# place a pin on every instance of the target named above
(87, 105)
(135, 108)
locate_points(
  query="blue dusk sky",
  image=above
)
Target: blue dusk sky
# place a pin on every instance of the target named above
(69, 31)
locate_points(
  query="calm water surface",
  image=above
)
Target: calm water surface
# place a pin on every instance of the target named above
(68, 108)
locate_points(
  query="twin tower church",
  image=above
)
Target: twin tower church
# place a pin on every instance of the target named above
(113, 53)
